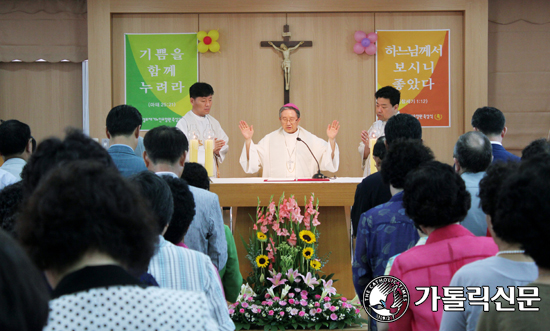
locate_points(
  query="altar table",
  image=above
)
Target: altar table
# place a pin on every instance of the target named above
(335, 199)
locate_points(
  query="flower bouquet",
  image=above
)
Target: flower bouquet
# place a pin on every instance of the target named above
(285, 289)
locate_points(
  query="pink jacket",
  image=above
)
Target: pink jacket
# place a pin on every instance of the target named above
(434, 264)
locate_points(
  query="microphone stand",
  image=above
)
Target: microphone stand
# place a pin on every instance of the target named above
(318, 174)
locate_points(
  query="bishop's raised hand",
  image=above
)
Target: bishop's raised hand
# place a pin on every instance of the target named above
(332, 129)
(247, 131)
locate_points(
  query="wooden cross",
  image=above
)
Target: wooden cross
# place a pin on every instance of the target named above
(289, 44)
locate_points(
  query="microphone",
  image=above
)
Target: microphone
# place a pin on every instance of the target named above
(318, 174)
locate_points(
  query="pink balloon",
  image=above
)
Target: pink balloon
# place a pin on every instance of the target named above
(358, 49)
(371, 49)
(373, 37)
(359, 35)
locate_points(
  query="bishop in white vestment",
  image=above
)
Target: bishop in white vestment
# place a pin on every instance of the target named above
(281, 155)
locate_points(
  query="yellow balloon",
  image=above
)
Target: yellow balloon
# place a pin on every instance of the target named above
(214, 34)
(202, 47)
(214, 47)
(201, 35)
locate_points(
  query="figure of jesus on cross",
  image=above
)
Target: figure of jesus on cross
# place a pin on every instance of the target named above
(286, 60)
(285, 47)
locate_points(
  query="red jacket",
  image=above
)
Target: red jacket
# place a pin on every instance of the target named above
(434, 264)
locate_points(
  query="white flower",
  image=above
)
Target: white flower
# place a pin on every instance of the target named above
(285, 290)
(270, 291)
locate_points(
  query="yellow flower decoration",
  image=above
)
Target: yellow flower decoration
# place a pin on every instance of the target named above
(307, 236)
(262, 261)
(315, 264)
(307, 252)
(261, 236)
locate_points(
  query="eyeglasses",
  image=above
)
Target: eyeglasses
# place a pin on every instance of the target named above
(289, 120)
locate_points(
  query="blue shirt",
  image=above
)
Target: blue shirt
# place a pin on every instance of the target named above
(476, 220)
(125, 160)
(185, 269)
(206, 233)
(501, 154)
(384, 231)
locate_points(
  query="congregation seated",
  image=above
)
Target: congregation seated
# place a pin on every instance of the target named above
(53, 153)
(85, 226)
(176, 267)
(472, 155)
(436, 199)
(16, 147)
(196, 175)
(24, 299)
(522, 212)
(123, 125)
(536, 147)
(165, 152)
(491, 122)
(372, 191)
(184, 211)
(510, 267)
(385, 230)
(10, 201)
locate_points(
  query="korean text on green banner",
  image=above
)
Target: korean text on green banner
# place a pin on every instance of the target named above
(417, 63)
(159, 69)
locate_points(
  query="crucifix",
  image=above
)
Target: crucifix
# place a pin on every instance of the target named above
(285, 47)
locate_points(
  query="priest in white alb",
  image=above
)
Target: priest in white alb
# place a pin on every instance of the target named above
(283, 153)
(200, 120)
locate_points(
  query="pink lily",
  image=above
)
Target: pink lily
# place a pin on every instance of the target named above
(292, 275)
(276, 280)
(328, 288)
(310, 280)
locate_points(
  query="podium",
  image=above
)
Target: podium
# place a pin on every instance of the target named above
(335, 199)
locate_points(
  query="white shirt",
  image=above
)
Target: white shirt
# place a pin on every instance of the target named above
(6, 179)
(376, 130)
(130, 308)
(493, 271)
(281, 156)
(202, 124)
(14, 166)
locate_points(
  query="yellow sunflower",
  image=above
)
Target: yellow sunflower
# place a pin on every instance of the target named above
(307, 236)
(261, 236)
(315, 264)
(307, 252)
(262, 261)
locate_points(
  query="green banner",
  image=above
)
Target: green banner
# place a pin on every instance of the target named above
(159, 69)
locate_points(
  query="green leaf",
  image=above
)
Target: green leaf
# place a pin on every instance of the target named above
(333, 325)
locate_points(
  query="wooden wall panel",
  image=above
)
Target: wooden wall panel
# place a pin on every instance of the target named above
(46, 96)
(99, 65)
(331, 82)
(440, 140)
(519, 76)
(523, 128)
